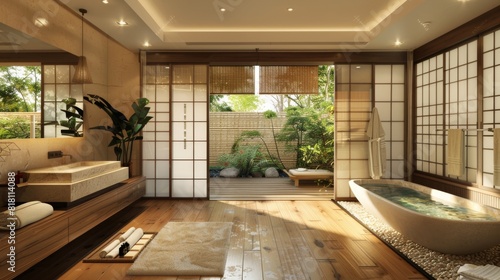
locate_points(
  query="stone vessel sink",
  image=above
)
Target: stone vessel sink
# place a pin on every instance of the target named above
(72, 172)
(70, 182)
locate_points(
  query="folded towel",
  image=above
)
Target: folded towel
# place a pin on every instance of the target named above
(484, 272)
(455, 152)
(496, 156)
(109, 248)
(25, 214)
(126, 234)
(463, 268)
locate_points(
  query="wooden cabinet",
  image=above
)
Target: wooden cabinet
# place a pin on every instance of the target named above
(38, 240)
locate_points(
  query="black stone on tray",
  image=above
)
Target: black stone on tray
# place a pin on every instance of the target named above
(123, 250)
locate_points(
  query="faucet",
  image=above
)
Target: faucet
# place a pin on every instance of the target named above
(66, 156)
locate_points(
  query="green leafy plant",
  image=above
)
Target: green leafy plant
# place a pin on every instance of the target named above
(246, 158)
(270, 115)
(252, 134)
(12, 127)
(310, 133)
(125, 130)
(74, 119)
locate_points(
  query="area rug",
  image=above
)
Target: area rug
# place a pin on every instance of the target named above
(186, 248)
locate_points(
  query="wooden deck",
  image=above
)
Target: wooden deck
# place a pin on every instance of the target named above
(266, 189)
(283, 240)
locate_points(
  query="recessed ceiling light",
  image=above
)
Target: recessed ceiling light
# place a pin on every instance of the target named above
(222, 9)
(398, 43)
(121, 22)
(290, 9)
(105, 1)
(146, 44)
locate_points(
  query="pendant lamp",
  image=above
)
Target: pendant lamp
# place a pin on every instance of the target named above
(82, 73)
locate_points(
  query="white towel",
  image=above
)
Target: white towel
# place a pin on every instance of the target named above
(376, 146)
(131, 240)
(496, 156)
(109, 248)
(483, 272)
(25, 214)
(134, 237)
(455, 152)
(126, 234)
(115, 251)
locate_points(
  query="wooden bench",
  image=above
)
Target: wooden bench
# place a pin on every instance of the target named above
(308, 174)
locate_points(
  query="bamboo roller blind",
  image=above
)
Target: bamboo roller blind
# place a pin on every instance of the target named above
(231, 80)
(272, 80)
(288, 80)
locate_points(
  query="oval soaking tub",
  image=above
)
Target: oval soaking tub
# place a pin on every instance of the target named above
(434, 219)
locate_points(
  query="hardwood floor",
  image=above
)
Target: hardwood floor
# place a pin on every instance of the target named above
(270, 240)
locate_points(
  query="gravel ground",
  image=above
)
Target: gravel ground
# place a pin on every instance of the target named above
(438, 265)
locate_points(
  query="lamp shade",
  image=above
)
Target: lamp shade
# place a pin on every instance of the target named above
(82, 73)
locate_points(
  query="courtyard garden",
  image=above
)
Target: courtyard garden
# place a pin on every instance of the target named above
(298, 132)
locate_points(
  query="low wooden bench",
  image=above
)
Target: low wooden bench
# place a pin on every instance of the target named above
(308, 174)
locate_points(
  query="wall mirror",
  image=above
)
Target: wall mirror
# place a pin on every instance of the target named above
(37, 98)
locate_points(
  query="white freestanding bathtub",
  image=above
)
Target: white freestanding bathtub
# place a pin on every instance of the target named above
(458, 226)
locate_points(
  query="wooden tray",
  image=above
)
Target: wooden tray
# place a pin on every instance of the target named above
(130, 257)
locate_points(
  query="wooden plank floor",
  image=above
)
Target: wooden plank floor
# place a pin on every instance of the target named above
(270, 240)
(266, 189)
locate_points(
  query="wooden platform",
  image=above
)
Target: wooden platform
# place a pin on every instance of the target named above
(266, 189)
(308, 175)
(290, 240)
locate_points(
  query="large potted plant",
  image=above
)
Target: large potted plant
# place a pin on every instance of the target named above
(125, 130)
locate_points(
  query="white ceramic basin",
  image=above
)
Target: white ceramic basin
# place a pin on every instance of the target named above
(70, 182)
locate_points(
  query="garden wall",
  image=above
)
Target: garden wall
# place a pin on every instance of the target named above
(226, 127)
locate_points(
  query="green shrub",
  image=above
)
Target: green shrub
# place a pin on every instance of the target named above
(310, 133)
(247, 158)
(15, 127)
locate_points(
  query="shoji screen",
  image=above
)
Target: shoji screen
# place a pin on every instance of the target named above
(175, 145)
(491, 100)
(156, 142)
(56, 87)
(429, 105)
(390, 102)
(461, 100)
(359, 88)
(189, 131)
(353, 96)
(447, 98)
